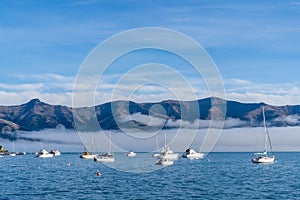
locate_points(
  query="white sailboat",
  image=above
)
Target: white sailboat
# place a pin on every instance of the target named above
(108, 157)
(167, 156)
(156, 153)
(13, 153)
(265, 157)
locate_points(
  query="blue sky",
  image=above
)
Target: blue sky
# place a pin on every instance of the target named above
(255, 45)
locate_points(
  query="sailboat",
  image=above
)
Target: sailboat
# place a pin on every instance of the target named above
(265, 157)
(13, 152)
(108, 157)
(167, 156)
(86, 154)
(156, 153)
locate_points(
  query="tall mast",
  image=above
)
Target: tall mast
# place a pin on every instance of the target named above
(109, 138)
(265, 135)
(165, 139)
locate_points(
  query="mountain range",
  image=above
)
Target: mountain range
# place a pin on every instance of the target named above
(36, 115)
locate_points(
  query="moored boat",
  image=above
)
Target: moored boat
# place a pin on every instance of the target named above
(108, 157)
(55, 152)
(265, 157)
(192, 154)
(167, 156)
(44, 154)
(164, 162)
(87, 155)
(131, 154)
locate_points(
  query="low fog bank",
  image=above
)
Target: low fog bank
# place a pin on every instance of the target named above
(230, 140)
(32, 141)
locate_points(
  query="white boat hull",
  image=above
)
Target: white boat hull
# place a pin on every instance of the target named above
(104, 158)
(44, 154)
(55, 152)
(91, 156)
(192, 154)
(155, 154)
(131, 154)
(264, 159)
(195, 156)
(164, 162)
(169, 156)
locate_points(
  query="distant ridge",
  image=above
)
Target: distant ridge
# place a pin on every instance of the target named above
(36, 115)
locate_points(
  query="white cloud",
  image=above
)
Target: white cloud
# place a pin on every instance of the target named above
(21, 87)
(229, 123)
(291, 119)
(144, 119)
(275, 94)
(58, 89)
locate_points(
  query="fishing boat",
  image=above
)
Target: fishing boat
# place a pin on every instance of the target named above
(265, 156)
(192, 154)
(44, 154)
(167, 156)
(131, 154)
(107, 157)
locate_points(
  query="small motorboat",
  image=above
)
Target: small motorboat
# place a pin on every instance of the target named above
(87, 155)
(55, 152)
(131, 154)
(192, 154)
(44, 154)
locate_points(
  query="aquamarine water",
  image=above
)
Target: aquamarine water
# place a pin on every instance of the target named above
(218, 176)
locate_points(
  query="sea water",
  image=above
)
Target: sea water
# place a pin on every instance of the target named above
(217, 176)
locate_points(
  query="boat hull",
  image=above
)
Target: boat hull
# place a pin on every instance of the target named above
(192, 154)
(87, 156)
(195, 156)
(131, 154)
(45, 156)
(164, 162)
(104, 158)
(265, 159)
(170, 156)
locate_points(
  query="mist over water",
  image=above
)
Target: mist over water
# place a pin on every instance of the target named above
(232, 140)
